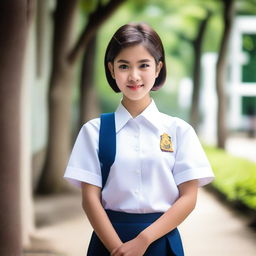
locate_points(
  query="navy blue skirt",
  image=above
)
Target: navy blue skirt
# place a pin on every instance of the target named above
(128, 226)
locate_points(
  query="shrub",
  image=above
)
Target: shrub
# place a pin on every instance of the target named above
(235, 176)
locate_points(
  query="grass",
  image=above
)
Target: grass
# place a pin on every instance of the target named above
(235, 177)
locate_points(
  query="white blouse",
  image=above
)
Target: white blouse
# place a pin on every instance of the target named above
(143, 178)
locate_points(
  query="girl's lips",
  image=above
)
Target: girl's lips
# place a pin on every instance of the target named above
(134, 87)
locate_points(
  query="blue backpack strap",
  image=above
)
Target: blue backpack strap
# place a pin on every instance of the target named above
(107, 144)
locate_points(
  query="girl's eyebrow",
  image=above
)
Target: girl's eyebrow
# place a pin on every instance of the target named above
(127, 62)
(144, 60)
(123, 61)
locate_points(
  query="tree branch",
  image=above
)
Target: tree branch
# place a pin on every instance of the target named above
(183, 37)
(202, 27)
(63, 22)
(96, 19)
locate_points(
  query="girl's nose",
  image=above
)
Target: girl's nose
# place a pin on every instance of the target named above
(134, 76)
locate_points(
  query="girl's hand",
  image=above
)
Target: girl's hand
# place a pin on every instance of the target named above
(134, 247)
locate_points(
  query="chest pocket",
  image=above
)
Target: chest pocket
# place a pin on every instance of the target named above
(158, 150)
(158, 160)
(167, 159)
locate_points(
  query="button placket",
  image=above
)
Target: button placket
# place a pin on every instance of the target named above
(136, 137)
(137, 149)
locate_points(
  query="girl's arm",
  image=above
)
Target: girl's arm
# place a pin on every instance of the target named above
(167, 222)
(91, 202)
(179, 211)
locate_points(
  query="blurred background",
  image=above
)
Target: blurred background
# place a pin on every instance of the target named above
(52, 81)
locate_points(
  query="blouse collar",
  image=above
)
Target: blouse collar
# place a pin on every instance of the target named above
(150, 113)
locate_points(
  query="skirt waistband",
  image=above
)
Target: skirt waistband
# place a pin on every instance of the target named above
(125, 217)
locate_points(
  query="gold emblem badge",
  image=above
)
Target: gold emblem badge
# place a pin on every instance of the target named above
(166, 143)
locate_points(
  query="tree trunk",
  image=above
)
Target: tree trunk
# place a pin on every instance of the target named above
(88, 98)
(59, 100)
(27, 209)
(59, 134)
(221, 71)
(197, 47)
(13, 30)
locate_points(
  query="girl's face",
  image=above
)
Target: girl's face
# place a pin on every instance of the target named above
(135, 72)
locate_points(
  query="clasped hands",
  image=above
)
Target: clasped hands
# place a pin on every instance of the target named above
(134, 247)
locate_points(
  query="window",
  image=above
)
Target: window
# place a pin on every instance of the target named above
(249, 69)
(249, 105)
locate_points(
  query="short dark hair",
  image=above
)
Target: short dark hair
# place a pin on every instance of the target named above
(130, 35)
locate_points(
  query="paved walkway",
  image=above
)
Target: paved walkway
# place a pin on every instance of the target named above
(211, 230)
(214, 230)
(243, 147)
(62, 228)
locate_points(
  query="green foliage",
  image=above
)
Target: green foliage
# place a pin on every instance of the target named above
(246, 7)
(235, 177)
(88, 6)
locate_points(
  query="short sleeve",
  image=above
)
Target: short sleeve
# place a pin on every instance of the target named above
(191, 161)
(83, 164)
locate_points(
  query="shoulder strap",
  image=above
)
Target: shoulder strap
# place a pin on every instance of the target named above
(107, 144)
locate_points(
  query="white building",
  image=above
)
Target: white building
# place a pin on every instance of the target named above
(242, 88)
(241, 82)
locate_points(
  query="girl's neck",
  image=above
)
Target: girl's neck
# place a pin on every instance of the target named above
(135, 107)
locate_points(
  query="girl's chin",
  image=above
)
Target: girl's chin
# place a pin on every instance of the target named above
(135, 97)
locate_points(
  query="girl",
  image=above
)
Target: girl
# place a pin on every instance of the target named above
(159, 164)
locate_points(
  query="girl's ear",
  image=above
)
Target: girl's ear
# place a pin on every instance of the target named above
(158, 68)
(111, 69)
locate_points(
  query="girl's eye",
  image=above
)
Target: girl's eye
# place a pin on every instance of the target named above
(123, 66)
(144, 65)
